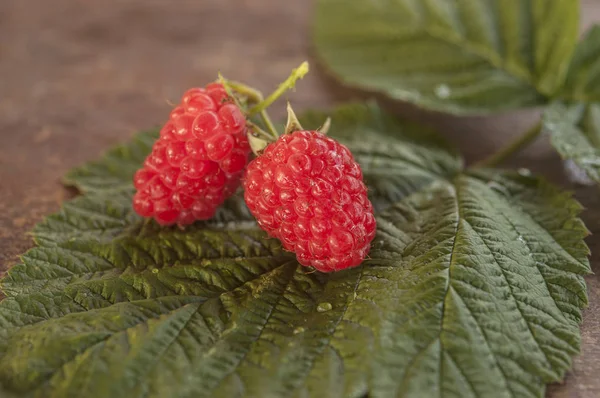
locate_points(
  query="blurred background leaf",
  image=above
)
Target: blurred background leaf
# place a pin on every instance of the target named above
(468, 56)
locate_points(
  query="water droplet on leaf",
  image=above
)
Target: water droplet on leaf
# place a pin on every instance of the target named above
(324, 307)
(524, 172)
(298, 330)
(442, 91)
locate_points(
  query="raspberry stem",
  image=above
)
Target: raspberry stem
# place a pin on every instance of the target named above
(260, 103)
(255, 97)
(288, 84)
(253, 94)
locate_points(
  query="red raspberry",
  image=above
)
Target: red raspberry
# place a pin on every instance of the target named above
(197, 162)
(307, 190)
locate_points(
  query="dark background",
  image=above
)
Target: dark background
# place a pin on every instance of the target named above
(79, 76)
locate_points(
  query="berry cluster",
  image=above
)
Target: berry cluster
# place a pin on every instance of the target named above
(307, 190)
(304, 188)
(198, 160)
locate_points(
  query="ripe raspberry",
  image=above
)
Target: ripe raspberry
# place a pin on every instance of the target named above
(198, 160)
(307, 190)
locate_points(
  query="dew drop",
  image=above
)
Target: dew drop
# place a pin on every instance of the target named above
(299, 329)
(524, 172)
(442, 91)
(155, 271)
(324, 307)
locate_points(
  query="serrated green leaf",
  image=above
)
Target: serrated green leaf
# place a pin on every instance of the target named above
(575, 133)
(467, 56)
(479, 308)
(473, 288)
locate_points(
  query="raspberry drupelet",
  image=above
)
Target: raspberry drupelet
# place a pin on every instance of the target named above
(198, 160)
(307, 190)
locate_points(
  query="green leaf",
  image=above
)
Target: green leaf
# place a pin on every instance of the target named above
(115, 171)
(473, 288)
(574, 123)
(479, 289)
(583, 79)
(575, 133)
(467, 56)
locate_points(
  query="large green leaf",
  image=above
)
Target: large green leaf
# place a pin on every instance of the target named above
(575, 133)
(458, 56)
(473, 288)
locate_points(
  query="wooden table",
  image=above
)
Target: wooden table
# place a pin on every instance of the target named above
(77, 78)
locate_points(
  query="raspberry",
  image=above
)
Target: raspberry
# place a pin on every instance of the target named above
(198, 160)
(307, 190)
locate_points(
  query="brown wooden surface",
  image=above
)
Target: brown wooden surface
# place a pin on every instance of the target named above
(78, 76)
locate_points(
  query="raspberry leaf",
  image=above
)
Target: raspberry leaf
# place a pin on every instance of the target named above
(468, 56)
(473, 288)
(484, 289)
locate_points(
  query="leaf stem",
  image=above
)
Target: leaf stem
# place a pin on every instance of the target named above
(512, 147)
(289, 83)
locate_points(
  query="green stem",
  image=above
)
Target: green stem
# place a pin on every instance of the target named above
(255, 97)
(269, 124)
(289, 83)
(512, 147)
